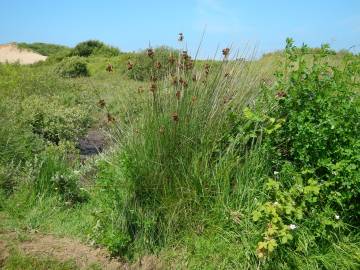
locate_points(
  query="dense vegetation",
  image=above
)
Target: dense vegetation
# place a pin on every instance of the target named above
(46, 49)
(210, 165)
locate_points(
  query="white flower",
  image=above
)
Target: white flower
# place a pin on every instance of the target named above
(292, 226)
(276, 203)
(276, 172)
(337, 217)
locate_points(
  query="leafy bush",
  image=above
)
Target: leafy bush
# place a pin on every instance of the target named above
(94, 47)
(53, 121)
(314, 149)
(71, 67)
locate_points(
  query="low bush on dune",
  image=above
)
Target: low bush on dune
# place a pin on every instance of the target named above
(94, 47)
(71, 67)
(53, 121)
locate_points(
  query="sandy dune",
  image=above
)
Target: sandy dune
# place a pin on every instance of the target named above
(11, 53)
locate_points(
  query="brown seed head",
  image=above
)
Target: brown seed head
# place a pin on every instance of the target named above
(185, 55)
(189, 64)
(140, 89)
(158, 65)
(150, 52)
(171, 59)
(101, 103)
(153, 87)
(226, 52)
(129, 65)
(175, 116)
(153, 78)
(207, 69)
(183, 82)
(281, 94)
(178, 94)
(109, 67)
(110, 118)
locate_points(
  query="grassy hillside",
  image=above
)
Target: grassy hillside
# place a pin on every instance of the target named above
(227, 164)
(46, 49)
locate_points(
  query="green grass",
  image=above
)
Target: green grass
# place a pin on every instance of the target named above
(18, 261)
(46, 49)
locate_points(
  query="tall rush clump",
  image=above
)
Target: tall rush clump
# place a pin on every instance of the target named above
(169, 158)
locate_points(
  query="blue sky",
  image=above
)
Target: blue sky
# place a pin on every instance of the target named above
(131, 25)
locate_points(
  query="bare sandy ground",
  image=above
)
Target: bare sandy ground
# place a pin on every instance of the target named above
(66, 249)
(11, 53)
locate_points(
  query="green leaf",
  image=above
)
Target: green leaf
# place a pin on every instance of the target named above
(271, 245)
(256, 215)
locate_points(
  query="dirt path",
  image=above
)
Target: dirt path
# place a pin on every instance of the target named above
(66, 249)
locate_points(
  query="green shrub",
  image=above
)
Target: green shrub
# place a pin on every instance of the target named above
(71, 67)
(54, 121)
(94, 47)
(314, 150)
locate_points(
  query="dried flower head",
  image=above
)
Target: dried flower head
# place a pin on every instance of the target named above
(185, 55)
(109, 68)
(101, 103)
(181, 37)
(130, 65)
(183, 82)
(281, 94)
(172, 59)
(110, 118)
(174, 80)
(227, 74)
(226, 52)
(178, 94)
(193, 99)
(140, 89)
(153, 87)
(150, 52)
(189, 64)
(158, 65)
(207, 69)
(153, 78)
(175, 116)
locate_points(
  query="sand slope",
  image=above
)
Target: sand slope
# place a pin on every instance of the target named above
(11, 53)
